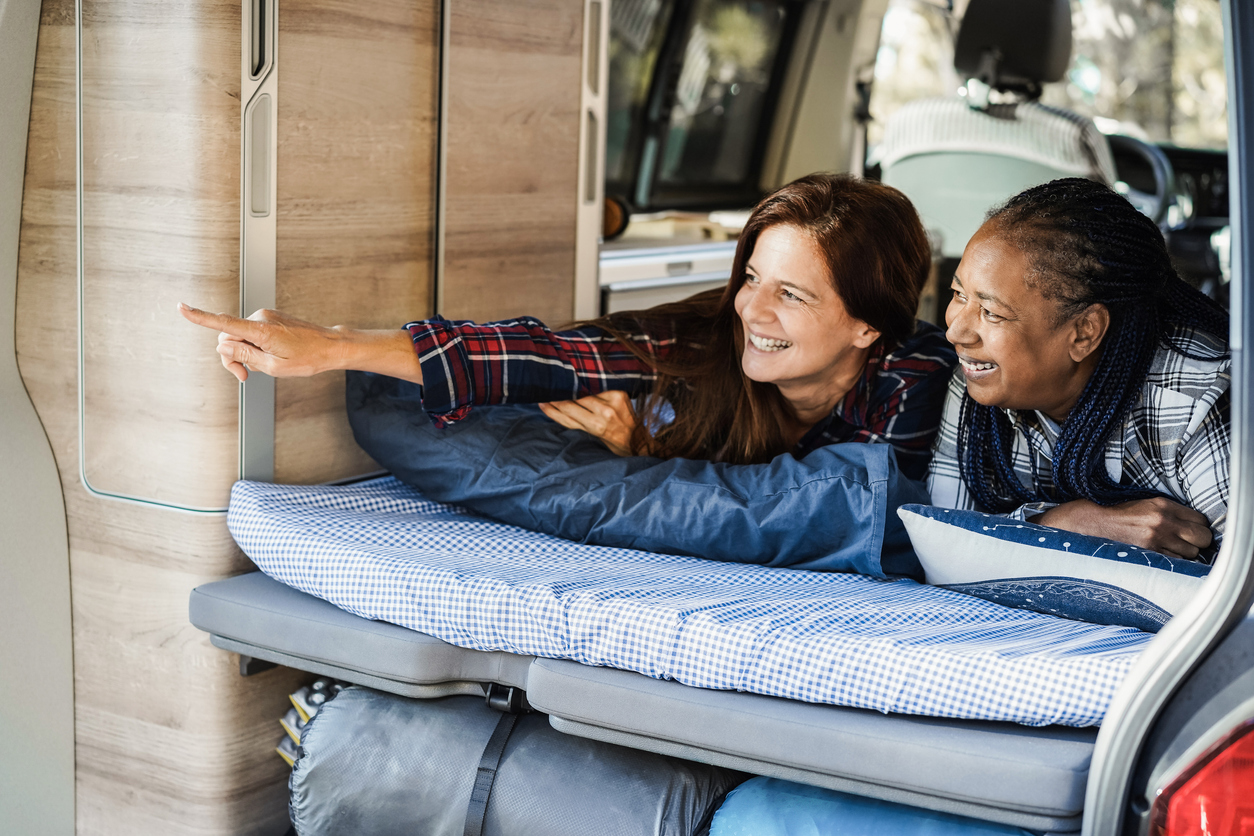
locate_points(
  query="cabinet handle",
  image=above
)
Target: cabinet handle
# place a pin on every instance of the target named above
(594, 47)
(259, 39)
(590, 163)
(259, 125)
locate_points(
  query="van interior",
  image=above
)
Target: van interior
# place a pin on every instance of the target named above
(369, 164)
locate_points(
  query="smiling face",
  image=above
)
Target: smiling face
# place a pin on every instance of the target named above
(1014, 351)
(797, 333)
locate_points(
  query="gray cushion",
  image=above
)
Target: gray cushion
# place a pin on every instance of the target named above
(1028, 777)
(256, 615)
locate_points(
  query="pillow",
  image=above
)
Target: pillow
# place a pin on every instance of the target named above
(1034, 567)
(831, 511)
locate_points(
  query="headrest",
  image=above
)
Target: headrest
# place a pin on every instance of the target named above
(1015, 44)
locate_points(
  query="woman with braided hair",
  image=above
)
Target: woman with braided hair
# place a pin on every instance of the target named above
(1093, 388)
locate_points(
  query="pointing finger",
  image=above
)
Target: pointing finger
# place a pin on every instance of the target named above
(233, 325)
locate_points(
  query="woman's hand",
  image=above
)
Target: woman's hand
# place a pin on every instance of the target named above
(1157, 524)
(606, 415)
(284, 346)
(270, 342)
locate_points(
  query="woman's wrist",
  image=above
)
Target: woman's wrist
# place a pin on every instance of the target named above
(350, 349)
(389, 352)
(1076, 515)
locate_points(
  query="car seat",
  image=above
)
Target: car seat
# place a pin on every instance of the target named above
(956, 157)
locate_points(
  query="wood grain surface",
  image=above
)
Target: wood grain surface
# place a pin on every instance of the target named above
(170, 740)
(512, 163)
(160, 224)
(356, 190)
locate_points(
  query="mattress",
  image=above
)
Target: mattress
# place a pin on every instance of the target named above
(379, 549)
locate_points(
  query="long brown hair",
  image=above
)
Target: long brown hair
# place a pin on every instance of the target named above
(877, 259)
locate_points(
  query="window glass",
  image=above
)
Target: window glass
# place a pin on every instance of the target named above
(637, 30)
(1200, 84)
(915, 60)
(721, 93)
(1148, 68)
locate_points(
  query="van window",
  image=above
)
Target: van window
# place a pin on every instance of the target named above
(1153, 69)
(693, 86)
(915, 60)
(636, 33)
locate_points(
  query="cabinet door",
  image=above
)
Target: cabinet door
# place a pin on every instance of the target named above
(358, 94)
(512, 159)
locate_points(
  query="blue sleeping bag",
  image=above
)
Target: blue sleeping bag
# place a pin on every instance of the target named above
(833, 511)
(771, 807)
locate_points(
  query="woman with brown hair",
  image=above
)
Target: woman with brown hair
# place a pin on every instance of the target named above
(813, 341)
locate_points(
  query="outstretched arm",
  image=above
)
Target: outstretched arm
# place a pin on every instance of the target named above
(522, 360)
(284, 346)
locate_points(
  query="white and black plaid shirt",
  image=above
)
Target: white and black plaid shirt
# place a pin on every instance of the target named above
(1176, 439)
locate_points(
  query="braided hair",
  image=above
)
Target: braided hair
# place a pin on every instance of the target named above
(1085, 244)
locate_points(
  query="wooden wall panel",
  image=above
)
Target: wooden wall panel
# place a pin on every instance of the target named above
(170, 739)
(358, 89)
(160, 223)
(512, 160)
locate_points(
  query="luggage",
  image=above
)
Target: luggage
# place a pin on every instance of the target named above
(375, 764)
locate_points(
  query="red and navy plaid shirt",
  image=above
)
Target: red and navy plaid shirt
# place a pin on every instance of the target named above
(898, 400)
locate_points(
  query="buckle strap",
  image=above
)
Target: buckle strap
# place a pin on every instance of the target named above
(485, 776)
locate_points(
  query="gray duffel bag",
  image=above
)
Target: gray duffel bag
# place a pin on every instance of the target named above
(375, 764)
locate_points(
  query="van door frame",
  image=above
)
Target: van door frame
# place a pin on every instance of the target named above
(1226, 598)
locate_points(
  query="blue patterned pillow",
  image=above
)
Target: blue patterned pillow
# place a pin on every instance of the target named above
(1034, 567)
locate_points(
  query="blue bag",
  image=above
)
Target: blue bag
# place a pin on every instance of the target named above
(833, 511)
(771, 807)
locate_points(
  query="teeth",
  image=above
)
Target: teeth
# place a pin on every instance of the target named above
(977, 367)
(766, 344)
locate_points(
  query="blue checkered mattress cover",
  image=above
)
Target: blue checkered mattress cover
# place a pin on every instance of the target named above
(379, 549)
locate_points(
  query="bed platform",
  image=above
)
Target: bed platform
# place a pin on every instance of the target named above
(1005, 772)
(259, 618)
(1019, 775)
(483, 603)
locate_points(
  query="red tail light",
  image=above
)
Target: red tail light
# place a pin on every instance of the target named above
(1215, 795)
